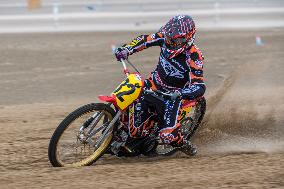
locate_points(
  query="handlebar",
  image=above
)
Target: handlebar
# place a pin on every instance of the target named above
(126, 71)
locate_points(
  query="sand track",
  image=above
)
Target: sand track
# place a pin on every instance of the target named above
(46, 76)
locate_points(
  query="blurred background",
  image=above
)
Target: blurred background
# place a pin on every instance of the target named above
(105, 15)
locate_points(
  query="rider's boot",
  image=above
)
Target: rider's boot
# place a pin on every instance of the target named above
(188, 148)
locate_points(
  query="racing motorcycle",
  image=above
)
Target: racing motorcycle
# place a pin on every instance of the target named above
(101, 129)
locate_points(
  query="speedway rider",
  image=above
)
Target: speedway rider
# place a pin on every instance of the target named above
(179, 70)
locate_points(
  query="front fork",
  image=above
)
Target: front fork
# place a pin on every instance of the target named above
(107, 130)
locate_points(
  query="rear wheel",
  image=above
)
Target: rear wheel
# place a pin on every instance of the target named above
(80, 139)
(188, 127)
(190, 124)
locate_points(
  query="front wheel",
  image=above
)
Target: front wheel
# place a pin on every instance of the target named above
(81, 138)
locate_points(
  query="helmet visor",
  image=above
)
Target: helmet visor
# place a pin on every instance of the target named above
(175, 43)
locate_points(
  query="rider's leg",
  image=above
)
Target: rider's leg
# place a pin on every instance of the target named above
(170, 131)
(169, 127)
(141, 121)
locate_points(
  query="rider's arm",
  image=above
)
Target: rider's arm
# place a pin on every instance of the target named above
(196, 87)
(144, 41)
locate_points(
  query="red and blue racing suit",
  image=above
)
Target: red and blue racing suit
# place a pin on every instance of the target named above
(183, 73)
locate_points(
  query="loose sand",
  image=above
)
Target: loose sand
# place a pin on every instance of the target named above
(43, 77)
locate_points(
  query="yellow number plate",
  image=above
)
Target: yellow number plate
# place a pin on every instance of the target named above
(128, 91)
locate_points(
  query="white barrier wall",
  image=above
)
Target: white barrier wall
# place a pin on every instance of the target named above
(104, 15)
